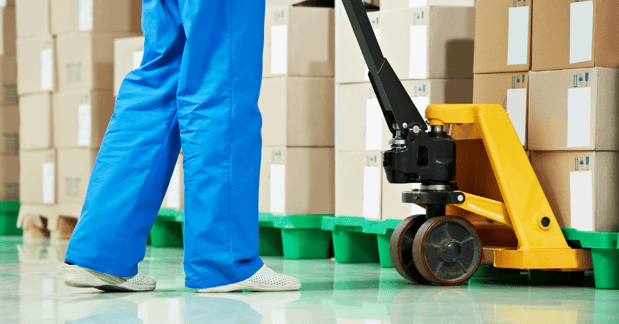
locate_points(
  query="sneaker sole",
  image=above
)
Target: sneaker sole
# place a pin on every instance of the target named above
(244, 287)
(75, 276)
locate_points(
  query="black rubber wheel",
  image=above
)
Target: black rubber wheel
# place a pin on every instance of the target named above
(401, 248)
(447, 250)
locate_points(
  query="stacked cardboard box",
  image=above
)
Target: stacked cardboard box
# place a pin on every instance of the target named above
(9, 109)
(66, 59)
(430, 47)
(574, 110)
(297, 105)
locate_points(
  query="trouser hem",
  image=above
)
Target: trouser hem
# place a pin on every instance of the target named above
(84, 263)
(241, 275)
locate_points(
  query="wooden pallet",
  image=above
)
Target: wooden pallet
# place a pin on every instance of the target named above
(48, 221)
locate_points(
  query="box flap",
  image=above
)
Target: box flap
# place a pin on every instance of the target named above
(274, 4)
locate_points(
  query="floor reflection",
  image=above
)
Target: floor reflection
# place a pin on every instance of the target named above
(31, 291)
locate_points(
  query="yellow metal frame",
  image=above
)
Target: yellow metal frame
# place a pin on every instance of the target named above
(524, 203)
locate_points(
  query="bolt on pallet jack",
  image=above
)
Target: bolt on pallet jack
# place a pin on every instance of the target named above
(443, 246)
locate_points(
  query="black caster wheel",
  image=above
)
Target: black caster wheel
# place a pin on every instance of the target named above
(401, 248)
(447, 250)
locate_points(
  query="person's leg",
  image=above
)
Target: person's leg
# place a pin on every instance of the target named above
(137, 156)
(220, 128)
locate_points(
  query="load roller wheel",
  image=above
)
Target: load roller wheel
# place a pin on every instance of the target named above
(447, 250)
(401, 248)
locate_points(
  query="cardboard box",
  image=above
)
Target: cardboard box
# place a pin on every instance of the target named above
(86, 61)
(510, 90)
(128, 53)
(74, 168)
(351, 66)
(299, 39)
(359, 178)
(9, 129)
(81, 118)
(175, 196)
(8, 31)
(582, 188)
(35, 124)
(7, 3)
(429, 42)
(36, 65)
(503, 36)
(37, 174)
(392, 205)
(297, 111)
(33, 18)
(9, 177)
(96, 15)
(571, 34)
(361, 125)
(297, 181)
(8, 77)
(401, 4)
(574, 110)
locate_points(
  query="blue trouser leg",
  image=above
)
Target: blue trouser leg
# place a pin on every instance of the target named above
(138, 153)
(220, 126)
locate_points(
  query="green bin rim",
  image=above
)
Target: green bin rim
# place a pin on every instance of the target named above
(380, 227)
(329, 223)
(299, 221)
(590, 240)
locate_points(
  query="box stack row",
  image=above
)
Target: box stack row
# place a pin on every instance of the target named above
(65, 63)
(297, 105)
(9, 108)
(553, 66)
(430, 46)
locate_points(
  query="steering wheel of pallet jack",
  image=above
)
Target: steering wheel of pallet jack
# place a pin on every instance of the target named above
(447, 250)
(401, 248)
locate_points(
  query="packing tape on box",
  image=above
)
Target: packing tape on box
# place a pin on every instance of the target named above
(581, 31)
(371, 192)
(579, 117)
(279, 49)
(278, 188)
(518, 36)
(581, 200)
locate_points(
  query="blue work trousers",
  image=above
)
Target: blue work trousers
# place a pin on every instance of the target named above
(197, 88)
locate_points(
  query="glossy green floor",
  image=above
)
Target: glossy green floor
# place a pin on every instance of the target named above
(31, 291)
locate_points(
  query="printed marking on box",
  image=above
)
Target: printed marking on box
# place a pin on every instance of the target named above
(373, 125)
(278, 188)
(418, 49)
(579, 117)
(279, 49)
(581, 31)
(581, 200)
(518, 36)
(371, 192)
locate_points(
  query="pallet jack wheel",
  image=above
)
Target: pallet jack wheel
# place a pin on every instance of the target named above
(447, 250)
(401, 248)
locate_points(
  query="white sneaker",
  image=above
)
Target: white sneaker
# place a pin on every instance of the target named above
(263, 280)
(76, 276)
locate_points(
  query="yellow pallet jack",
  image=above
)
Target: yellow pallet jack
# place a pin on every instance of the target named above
(460, 231)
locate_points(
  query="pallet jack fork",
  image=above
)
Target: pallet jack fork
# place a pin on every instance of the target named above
(443, 246)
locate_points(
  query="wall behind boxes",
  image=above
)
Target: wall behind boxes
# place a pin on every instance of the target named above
(65, 58)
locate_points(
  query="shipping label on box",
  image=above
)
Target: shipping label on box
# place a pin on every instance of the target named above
(294, 115)
(128, 55)
(175, 195)
(84, 116)
(297, 181)
(33, 18)
(361, 125)
(37, 176)
(35, 124)
(419, 46)
(509, 90)
(401, 4)
(299, 39)
(575, 34)
(502, 36)
(360, 178)
(581, 187)
(574, 110)
(36, 63)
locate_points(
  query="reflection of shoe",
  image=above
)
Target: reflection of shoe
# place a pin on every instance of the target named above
(263, 280)
(76, 276)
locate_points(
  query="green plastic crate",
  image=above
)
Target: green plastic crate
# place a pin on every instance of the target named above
(270, 238)
(350, 244)
(302, 236)
(9, 211)
(167, 231)
(604, 254)
(383, 230)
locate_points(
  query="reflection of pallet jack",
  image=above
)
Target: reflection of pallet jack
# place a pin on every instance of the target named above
(444, 246)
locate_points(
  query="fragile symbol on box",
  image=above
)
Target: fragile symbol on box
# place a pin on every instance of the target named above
(581, 164)
(73, 187)
(579, 80)
(74, 72)
(11, 191)
(12, 142)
